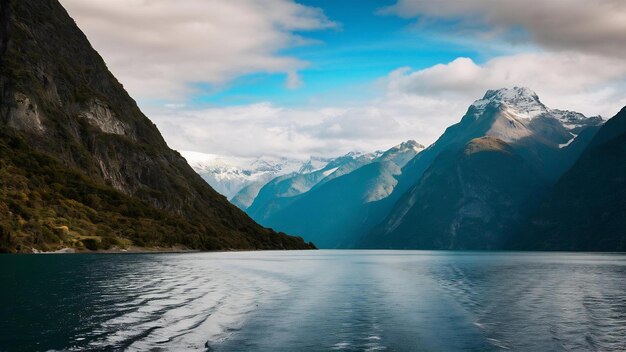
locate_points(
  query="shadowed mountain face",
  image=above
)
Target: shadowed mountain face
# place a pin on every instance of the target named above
(81, 165)
(586, 209)
(282, 190)
(480, 180)
(468, 199)
(338, 208)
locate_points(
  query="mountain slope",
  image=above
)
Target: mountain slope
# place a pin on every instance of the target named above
(465, 200)
(282, 190)
(586, 209)
(334, 212)
(79, 157)
(456, 199)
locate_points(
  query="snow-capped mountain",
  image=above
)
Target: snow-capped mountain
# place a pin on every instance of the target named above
(525, 104)
(240, 179)
(522, 100)
(402, 153)
(477, 181)
(522, 113)
(290, 185)
(228, 175)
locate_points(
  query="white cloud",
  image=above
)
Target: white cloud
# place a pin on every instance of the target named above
(160, 48)
(265, 129)
(585, 83)
(595, 26)
(414, 104)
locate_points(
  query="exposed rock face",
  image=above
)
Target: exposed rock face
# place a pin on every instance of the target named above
(60, 105)
(25, 115)
(99, 115)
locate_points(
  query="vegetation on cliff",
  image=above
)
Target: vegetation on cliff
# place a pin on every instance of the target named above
(81, 166)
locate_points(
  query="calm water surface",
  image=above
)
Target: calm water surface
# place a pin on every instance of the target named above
(316, 300)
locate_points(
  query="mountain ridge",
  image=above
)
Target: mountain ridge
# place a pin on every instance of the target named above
(336, 208)
(519, 122)
(586, 208)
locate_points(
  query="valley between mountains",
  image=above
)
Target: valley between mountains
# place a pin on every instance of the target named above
(511, 174)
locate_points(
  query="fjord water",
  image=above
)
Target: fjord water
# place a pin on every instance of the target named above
(314, 300)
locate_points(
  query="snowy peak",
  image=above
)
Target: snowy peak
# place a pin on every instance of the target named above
(402, 153)
(519, 100)
(350, 158)
(409, 145)
(313, 164)
(514, 96)
(574, 121)
(520, 105)
(228, 175)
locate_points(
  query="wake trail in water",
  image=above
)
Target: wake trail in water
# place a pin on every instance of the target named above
(173, 310)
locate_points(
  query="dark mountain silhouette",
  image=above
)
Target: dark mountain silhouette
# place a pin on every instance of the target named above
(586, 209)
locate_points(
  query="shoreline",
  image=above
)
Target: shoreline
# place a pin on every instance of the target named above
(144, 250)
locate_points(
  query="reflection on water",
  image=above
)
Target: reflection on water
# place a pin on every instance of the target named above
(323, 300)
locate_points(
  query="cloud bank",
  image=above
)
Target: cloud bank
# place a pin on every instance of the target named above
(591, 26)
(161, 48)
(270, 130)
(593, 85)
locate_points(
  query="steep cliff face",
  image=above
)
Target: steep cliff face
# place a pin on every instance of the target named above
(58, 98)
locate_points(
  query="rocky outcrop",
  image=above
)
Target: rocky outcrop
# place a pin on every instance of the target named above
(100, 115)
(24, 115)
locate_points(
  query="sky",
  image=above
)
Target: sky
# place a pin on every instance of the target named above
(293, 79)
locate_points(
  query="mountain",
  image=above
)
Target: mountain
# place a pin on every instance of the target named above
(229, 175)
(481, 178)
(338, 208)
(81, 166)
(246, 196)
(586, 209)
(282, 190)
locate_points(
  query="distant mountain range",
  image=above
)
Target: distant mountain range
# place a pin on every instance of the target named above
(512, 174)
(240, 179)
(229, 175)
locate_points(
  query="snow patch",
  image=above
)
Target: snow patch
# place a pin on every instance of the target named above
(328, 172)
(561, 146)
(522, 101)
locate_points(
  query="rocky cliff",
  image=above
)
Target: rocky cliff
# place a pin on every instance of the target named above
(81, 161)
